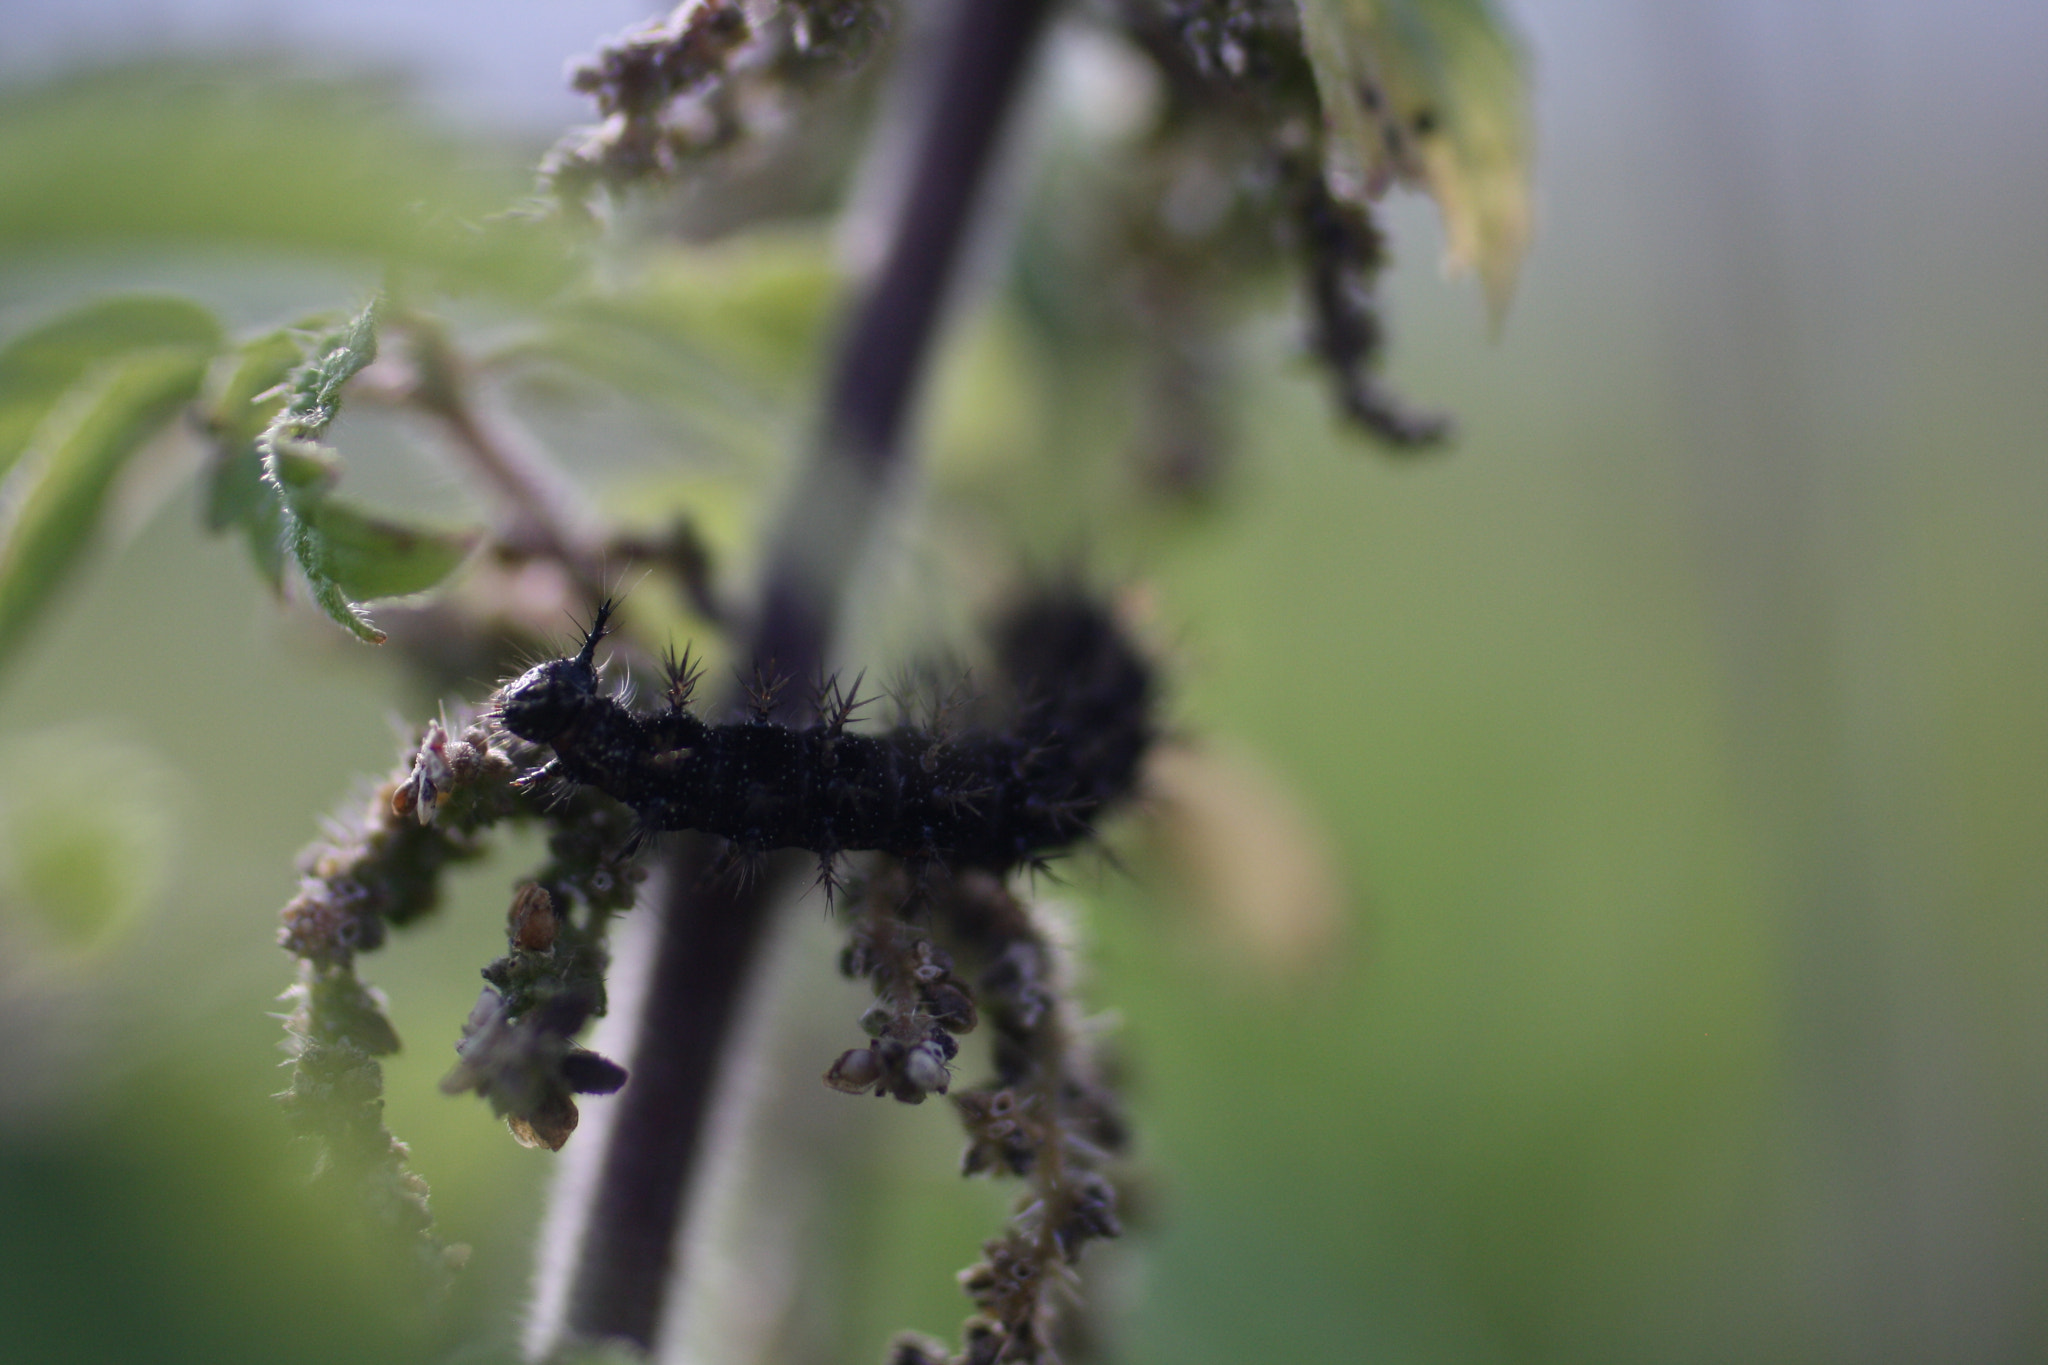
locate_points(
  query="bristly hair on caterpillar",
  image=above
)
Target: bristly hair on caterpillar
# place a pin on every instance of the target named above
(1079, 701)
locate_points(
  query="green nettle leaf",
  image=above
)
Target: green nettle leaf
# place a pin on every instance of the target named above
(39, 367)
(313, 395)
(346, 555)
(247, 156)
(760, 306)
(368, 556)
(1431, 93)
(300, 470)
(61, 482)
(719, 340)
(244, 395)
(238, 496)
(246, 390)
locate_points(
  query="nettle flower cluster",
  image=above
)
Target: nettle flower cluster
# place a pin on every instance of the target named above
(946, 953)
(381, 867)
(931, 818)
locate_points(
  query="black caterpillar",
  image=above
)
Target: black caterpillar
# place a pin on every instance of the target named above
(1080, 717)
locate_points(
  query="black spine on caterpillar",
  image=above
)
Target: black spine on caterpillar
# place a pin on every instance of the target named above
(1079, 725)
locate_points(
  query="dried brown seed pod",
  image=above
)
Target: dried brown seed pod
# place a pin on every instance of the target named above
(548, 1126)
(532, 920)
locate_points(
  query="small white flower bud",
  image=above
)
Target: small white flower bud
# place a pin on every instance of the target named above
(924, 1068)
(856, 1070)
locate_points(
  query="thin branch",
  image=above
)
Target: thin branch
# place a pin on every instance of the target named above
(710, 928)
(543, 515)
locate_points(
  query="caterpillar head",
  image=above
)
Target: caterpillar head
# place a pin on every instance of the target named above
(545, 701)
(541, 704)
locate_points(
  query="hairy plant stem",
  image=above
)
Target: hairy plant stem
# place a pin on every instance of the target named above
(541, 513)
(710, 928)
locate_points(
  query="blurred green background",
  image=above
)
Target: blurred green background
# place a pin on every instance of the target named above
(1680, 738)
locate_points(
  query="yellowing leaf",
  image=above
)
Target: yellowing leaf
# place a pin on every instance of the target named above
(1430, 93)
(1248, 853)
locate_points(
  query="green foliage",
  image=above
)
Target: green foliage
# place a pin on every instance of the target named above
(73, 459)
(368, 556)
(343, 552)
(716, 340)
(300, 470)
(79, 396)
(159, 156)
(38, 367)
(245, 394)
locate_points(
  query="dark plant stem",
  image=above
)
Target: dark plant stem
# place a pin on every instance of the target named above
(710, 927)
(881, 358)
